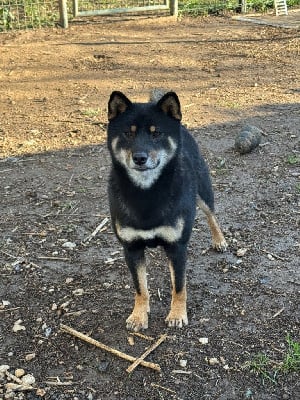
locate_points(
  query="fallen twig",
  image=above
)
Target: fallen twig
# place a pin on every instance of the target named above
(278, 312)
(180, 371)
(102, 346)
(94, 233)
(59, 383)
(9, 309)
(274, 255)
(147, 352)
(54, 258)
(9, 255)
(163, 387)
(150, 338)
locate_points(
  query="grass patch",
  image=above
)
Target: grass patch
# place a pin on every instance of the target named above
(291, 362)
(293, 159)
(90, 112)
(269, 371)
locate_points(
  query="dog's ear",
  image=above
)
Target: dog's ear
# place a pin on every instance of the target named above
(170, 105)
(117, 104)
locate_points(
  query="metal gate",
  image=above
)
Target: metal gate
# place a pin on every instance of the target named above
(84, 8)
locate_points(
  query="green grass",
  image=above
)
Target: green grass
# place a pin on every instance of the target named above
(291, 362)
(90, 112)
(269, 371)
(260, 365)
(293, 159)
(205, 7)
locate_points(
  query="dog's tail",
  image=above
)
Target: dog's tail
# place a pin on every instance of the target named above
(156, 94)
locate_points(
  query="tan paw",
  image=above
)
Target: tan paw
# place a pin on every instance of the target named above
(135, 322)
(176, 319)
(220, 245)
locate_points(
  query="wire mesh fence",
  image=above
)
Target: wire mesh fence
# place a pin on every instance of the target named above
(20, 14)
(85, 5)
(204, 7)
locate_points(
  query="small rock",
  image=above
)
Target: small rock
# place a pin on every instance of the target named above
(48, 331)
(241, 252)
(130, 340)
(203, 340)
(213, 361)
(30, 356)
(28, 379)
(3, 369)
(222, 359)
(18, 327)
(69, 245)
(19, 372)
(248, 139)
(183, 363)
(78, 292)
(40, 392)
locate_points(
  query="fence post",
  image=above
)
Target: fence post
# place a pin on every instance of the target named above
(174, 7)
(244, 6)
(63, 13)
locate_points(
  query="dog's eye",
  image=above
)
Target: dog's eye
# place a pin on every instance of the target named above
(155, 133)
(130, 133)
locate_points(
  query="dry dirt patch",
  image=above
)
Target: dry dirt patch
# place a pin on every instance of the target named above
(53, 170)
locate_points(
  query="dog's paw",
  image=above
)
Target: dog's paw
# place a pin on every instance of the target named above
(135, 322)
(176, 320)
(220, 245)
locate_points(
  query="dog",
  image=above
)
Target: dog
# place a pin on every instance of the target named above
(157, 173)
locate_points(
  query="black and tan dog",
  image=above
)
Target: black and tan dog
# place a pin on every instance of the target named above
(157, 172)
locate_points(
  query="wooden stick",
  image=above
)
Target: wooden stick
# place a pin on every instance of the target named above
(54, 258)
(163, 387)
(147, 352)
(150, 338)
(94, 233)
(102, 346)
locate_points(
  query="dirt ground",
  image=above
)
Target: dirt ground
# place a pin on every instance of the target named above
(54, 166)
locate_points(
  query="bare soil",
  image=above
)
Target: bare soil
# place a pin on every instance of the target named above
(54, 165)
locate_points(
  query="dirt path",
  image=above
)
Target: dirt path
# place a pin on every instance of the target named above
(55, 86)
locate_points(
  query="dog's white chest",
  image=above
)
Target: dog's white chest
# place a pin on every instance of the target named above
(165, 232)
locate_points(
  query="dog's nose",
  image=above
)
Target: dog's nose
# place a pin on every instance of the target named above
(140, 158)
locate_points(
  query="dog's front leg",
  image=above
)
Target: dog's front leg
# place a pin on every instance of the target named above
(135, 260)
(177, 259)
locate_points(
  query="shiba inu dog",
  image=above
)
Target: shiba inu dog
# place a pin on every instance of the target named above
(156, 176)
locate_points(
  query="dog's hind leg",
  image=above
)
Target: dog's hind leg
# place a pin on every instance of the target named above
(219, 242)
(135, 260)
(177, 316)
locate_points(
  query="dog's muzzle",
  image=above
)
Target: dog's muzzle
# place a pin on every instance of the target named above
(140, 158)
(143, 162)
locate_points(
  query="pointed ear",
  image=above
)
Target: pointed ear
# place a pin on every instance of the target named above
(170, 105)
(118, 103)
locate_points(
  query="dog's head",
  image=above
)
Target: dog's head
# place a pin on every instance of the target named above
(143, 137)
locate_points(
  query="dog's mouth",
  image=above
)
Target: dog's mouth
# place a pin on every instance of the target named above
(144, 167)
